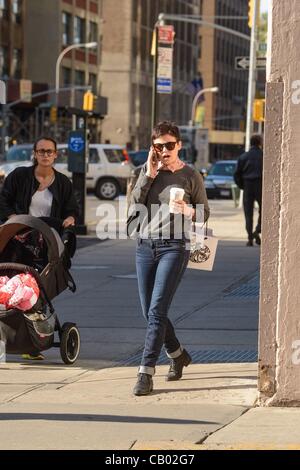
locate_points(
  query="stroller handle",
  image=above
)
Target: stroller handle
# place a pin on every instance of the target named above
(23, 268)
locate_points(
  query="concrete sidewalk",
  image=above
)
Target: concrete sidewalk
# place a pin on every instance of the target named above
(212, 407)
(47, 405)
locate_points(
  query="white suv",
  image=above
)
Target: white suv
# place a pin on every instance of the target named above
(108, 171)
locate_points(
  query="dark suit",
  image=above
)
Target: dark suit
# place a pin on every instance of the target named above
(248, 176)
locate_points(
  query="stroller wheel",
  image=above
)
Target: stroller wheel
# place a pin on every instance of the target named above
(69, 343)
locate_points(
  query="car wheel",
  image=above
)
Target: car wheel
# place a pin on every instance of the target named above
(107, 188)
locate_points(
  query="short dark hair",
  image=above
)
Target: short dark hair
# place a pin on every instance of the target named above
(165, 127)
(256, 140)
(37, 141)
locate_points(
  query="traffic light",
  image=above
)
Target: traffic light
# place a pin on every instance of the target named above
(53, 114)
(259, 110)
(251, 4)
(88, 101)
(250, 13)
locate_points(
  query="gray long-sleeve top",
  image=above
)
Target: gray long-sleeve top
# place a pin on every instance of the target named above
(155, 220)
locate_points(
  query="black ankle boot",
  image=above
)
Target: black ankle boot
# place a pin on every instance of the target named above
(257, 238)
(177, 364)
(144, 385)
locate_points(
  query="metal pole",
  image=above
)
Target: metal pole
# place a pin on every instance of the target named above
(196, 99)
(194, 105)
(195, 20)
(252, 77)
(37, 116)
(3, 130)
(87, 45)
(49, 92)
(72, 103)
(3, 102)
(154, 79)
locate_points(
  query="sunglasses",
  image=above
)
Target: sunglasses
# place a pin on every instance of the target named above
(48, 152)
(169, 146)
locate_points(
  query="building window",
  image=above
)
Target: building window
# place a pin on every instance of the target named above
(17, 10)
(4, 11)
(16, 71)
(79, 30)
(79, 78)
(4, 71)
(66, 20)
(67, 76)
(93, 82)
(93, 36)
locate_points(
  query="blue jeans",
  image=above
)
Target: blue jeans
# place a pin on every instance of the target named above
(160, 265)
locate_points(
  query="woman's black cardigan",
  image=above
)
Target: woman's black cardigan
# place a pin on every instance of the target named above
(19, 187)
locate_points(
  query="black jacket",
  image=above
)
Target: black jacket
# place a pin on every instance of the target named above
(19, 187)
(249, 166)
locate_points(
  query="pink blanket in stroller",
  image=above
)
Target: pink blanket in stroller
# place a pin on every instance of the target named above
(21, 292)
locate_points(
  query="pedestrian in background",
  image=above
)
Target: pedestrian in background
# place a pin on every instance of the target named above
(161, 260)
(248, 176)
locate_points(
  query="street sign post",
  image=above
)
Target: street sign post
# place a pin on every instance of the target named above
(165, 59)
(77, 164)
(164, 70)
(26, 90)
(243, 63)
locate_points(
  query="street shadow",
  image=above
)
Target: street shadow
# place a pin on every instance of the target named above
(216, 377)
(98, 418)
(199, 389)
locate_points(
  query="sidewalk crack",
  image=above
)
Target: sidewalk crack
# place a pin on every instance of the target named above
(202, 441)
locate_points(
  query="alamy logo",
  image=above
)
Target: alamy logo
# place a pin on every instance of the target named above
(296, 353)
(296, 93)
(2, 92)
(2, 352)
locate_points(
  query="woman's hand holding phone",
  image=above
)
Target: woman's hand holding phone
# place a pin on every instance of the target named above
(152, 163)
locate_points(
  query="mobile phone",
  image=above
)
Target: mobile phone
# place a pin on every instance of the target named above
(155, 156)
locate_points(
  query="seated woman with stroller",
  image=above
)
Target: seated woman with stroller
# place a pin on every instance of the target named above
(41, 191)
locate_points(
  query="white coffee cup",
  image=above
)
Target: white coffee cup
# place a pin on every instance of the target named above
(176, 194)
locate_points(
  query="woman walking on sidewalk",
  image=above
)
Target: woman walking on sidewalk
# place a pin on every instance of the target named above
(162, 254)
(41, 191)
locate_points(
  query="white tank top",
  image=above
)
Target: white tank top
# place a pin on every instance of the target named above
(41, 203)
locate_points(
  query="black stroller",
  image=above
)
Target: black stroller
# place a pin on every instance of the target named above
(34, 330)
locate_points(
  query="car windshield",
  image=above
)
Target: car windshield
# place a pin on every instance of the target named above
(114, 155)
(18, 154)
(222, 169)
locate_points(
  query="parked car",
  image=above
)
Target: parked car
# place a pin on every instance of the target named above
(108, 170)
(219, 179)
(18, 155)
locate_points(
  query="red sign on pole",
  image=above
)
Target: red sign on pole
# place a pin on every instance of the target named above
(166, 34)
